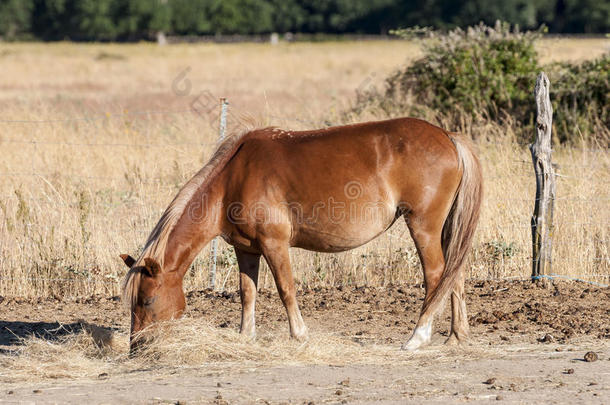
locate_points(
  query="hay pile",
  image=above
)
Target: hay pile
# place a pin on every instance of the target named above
(95, 351)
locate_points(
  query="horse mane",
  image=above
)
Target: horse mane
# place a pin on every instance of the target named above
(158, 239)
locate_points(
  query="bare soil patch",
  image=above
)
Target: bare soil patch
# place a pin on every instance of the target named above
(527, 343)
(505, 311)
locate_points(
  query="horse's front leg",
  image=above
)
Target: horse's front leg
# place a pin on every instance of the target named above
(248, 282)
(278, 258)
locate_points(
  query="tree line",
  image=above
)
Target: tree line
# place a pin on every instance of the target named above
(127, 20)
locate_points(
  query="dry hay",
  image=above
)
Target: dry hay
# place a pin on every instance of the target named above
(89, 352)
(95, 351)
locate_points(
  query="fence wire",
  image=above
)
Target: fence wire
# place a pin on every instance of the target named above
(35, 142)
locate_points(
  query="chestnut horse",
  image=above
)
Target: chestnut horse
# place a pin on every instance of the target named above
(327, 190)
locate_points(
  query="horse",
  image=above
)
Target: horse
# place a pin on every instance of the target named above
(325, 190)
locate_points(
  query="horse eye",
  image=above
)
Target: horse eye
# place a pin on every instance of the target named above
(149, 301)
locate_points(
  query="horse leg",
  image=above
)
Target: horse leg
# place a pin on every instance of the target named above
(248, 282)
(426, 234)
(459, 320)
(279, 262)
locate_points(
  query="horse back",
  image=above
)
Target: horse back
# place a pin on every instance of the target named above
(318, 181)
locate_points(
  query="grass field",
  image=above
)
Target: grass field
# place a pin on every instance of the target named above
(96, 139)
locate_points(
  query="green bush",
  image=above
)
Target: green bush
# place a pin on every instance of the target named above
(580, 94)
(482, 71)
(487, 73)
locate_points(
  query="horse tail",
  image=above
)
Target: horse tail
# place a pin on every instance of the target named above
(460, 223)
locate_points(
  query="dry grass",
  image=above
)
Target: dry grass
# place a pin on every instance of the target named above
(87, 353)
(98, 353)
(95, 351)
(75, 194)
(560, 49)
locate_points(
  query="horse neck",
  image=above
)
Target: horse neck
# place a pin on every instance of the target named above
(198, 225)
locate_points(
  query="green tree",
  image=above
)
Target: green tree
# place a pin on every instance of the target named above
(287, 15)
(92, 20)
(587, 16)
(190, 17)
(141, 19)
(521, 12)
(49, 19)
(240, 16)
(15, 17)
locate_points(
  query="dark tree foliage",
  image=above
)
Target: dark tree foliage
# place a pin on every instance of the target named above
(100, 20)
(137, 19)
(142, 19)
(15, 17)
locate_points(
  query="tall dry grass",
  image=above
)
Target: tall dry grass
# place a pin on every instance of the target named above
(117, 139)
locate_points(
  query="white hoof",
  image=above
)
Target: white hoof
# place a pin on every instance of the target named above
(301, 335)
(248, 332)
(421, 336)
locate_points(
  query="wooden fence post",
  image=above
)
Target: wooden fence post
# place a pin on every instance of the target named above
(224, 105)
(542, 218)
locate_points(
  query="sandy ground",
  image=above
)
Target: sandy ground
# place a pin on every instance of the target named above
(521, 374)
(528, 344)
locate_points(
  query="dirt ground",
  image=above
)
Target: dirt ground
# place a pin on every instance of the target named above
(528, 344)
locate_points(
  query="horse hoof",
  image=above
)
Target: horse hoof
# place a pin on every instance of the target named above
(421, 336)
(248, 335)
(301, 336)
(413, 345)
(453, 340)
(409, 348)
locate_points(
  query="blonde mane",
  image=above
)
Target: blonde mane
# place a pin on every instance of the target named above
(158, 239)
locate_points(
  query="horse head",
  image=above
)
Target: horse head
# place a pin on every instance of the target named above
(153, 295)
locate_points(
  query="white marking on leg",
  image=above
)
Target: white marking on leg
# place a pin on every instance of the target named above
(301, 333)
(298, 328)
(248, 325)
(421, 335)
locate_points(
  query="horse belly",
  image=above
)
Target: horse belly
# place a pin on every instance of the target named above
(345, 232)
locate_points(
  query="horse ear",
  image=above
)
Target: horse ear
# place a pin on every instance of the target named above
(152, 266)
(129, 261)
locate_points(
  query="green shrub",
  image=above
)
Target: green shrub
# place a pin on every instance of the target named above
(580, 94)
(488, 74)
(482, 71)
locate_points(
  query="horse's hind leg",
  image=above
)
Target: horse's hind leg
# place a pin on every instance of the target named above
(426, 232)
(459, 320)
(248, 282)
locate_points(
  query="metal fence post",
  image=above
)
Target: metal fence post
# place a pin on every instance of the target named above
(542, 218)
(224, 104)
